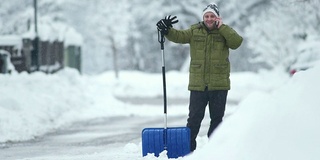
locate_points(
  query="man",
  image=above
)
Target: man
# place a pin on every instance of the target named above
(209, 82)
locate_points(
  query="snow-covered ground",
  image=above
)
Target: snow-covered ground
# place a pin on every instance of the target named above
(276, 117)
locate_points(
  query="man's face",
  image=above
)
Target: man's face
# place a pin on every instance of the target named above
(209, 19)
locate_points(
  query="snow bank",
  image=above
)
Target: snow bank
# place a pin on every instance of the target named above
(282, 124)
(31, 105)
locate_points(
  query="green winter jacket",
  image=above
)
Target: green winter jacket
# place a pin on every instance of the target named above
(209, 51)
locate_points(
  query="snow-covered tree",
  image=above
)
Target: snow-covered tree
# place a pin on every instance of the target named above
(275, 33)
(271, 29)
(14, 18)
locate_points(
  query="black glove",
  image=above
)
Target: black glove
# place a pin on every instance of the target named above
(165, 24)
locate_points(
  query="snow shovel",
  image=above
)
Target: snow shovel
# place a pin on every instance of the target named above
(175, 140)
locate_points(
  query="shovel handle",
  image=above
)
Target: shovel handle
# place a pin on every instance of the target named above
(161, 40)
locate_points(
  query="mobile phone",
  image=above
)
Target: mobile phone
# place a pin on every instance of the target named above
(217, 24)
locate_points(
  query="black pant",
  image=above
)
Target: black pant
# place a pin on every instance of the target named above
(197, 106)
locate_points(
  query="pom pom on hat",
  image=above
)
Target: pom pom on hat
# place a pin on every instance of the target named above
(211, 8)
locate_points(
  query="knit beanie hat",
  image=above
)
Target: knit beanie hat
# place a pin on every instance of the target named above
(211, 8)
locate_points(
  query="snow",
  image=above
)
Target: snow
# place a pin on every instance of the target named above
(72, 37)
(55, 31)
(281, 124)
(276, 117)
(8, 40)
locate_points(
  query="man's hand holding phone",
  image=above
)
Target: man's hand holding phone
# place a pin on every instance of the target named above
(218, 22)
